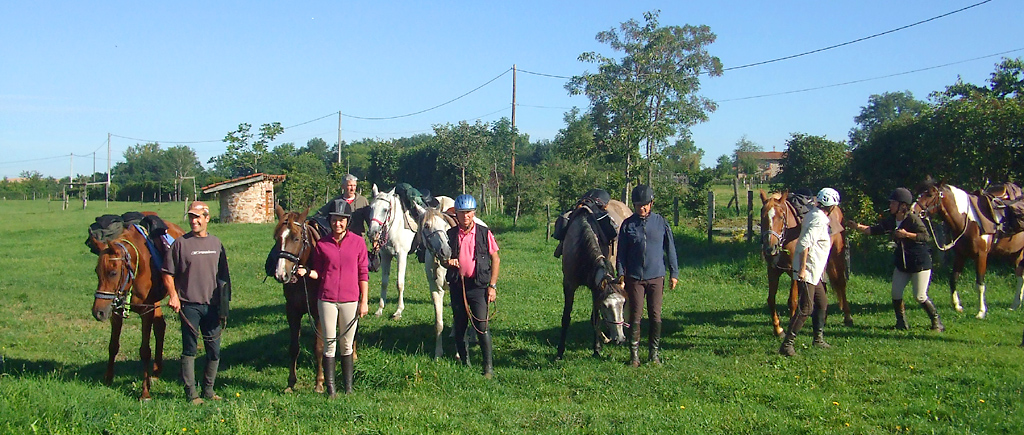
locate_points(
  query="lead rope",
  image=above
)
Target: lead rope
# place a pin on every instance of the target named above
(465, 302)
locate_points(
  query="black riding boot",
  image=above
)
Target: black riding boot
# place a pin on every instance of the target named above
(210, 375)
(787, 345)
(487, 351)
(188, 377)
(933, 314)
(819, 339)
(901, 314)
(329, 372)
(347, 370)
(654, 342)
(461, 350)
(634, 344)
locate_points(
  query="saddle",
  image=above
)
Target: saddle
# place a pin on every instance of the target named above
(594, 203)
(109, 227)
(800, 204)
(1000, 209)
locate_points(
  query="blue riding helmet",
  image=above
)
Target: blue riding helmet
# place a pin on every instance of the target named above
(465, 202)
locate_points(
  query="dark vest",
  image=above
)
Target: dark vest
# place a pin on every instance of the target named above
(482, 273)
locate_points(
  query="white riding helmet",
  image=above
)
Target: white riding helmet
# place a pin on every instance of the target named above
(828, 197)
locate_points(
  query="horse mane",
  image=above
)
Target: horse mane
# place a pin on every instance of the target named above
(431, 212)
(587, 247)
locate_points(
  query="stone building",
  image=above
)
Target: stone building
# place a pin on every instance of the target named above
(248, 199)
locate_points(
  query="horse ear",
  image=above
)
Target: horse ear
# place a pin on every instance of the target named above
(419, 209)
(374, 190)
(302, 217)
(278, 211)
(764, 196)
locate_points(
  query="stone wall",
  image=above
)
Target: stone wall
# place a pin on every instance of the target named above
(252, 203)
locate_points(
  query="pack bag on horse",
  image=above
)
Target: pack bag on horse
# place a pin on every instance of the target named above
(977, 237)
(587, 247)
(294, 238)
(131, 250)
(781, 215)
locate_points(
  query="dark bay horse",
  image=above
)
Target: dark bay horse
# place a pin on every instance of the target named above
(296, 238)
(587, 261)
(128, 281)
(780, 228)
(952, 204)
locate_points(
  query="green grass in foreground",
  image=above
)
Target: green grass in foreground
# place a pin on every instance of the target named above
(721, 372)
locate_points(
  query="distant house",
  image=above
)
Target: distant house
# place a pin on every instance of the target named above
(248, 199)
(769, 164)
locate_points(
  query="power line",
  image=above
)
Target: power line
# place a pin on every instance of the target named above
(432, 108)
(868, 79)
(855, 40)
(165, 141)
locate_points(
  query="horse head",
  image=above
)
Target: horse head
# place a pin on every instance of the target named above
(433, 232)
(775, 219)
(294, 239)
(384, 211)
(116, 270)
(930, 197)
(611, 301)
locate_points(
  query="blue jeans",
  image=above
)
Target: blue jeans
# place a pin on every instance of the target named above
(196, 318)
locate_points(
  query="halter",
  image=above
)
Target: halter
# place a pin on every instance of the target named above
(297, 257)
(929, 210)
(775, 248)
(389, 219)
(122, 295)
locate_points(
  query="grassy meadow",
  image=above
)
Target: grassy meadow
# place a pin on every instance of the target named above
(721, 374)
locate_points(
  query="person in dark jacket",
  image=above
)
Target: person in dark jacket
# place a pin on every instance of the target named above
(911, 256)
(472, 277)
(646, 245)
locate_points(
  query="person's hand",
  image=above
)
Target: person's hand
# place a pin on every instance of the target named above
(672, 285)
(803, 275)
(301, 271)
(492, 294)
(453, 263)
(313, 275)
(364, 308)
(902, 234)
(174, 303)
(223, 322)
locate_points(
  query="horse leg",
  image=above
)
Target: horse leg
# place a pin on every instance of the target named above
(981, 264)
(566, 317)
(318, 340)
(294, 314)
(1018, 293)
(403, 261)
(837, 279)
(145, 354)
(773, 288)
(958, 267)
(115, 345)
(159, 329)
(385, 273)
(595, 323)
(435, 279)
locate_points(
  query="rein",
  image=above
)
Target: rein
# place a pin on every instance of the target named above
(935, 240)
(122, 296)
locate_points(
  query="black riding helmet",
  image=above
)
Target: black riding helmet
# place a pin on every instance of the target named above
(902, 195)
(642, 194)
(341, 208)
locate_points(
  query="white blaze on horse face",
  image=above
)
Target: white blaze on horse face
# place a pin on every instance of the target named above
(281, 272)
(612, 310)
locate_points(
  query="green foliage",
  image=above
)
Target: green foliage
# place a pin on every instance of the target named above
(743, 158)
(384, 164)
(245, 151)
(882, 109)
(813, 162)
(33, 186)
(461, 149)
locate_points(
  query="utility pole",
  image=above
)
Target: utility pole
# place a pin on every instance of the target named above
(108, 171)
(514, 120)
(339, 137)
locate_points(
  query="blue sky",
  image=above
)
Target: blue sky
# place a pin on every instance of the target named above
(190, 72)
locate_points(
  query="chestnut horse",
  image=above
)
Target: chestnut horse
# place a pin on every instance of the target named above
(129, 281)
(952, 204)
(295, 238)
(780, 228)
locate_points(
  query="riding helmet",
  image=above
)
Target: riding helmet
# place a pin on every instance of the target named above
(465, 202)
(340, 207)
(828, 197)
(642, 194)
(902, 195)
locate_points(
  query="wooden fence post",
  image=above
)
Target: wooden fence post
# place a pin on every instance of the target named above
(547, 220)
(711, 213)
(675, 212)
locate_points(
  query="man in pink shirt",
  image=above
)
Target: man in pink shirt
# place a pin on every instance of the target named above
(472, 277)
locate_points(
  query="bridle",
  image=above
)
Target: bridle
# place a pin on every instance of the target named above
(122, 295)
(772, 250)
(931, 207)
(296, 258)
(389, 219)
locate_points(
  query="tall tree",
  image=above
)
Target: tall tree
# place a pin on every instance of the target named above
(743, 158)
(243, 152)
(813, 162)
(882, 109)
(460, 147)
(650, 94)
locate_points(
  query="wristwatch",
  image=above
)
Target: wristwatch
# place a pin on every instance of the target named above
(493, 286)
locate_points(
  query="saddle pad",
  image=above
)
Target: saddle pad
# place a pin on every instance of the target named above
(983, 208)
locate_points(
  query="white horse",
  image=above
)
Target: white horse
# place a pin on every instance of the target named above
(389, 233)
(433, 235)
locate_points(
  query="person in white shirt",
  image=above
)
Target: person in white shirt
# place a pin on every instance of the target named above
(812, 250)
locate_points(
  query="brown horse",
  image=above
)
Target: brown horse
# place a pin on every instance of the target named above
(588, 262)
(128, 281)
(780, 228)
(952, 204)
(295, 238)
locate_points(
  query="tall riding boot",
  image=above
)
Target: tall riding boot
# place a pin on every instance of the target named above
(487, 351)
(901, 314)
(634, 344)
(210, 375)
(347, 370)
(654, 342)
(188, 377)
(819, 339)
(933, 314)
(461, 350)
(329, 371)
(787, 345)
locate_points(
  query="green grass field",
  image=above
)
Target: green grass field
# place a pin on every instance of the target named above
(721, 374)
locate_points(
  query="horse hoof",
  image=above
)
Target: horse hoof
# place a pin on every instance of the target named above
(848, 322)
(959, 309)
(396, 316)
(378, 313)
(319, 389)
(981, 315)
(779, 332)
(289, 390)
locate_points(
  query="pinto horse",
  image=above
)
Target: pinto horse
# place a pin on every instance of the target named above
(391, 236)
(953, 205)
(780, 228)
(588, 262)
(433, 234)
(129, 281)
(296, 238)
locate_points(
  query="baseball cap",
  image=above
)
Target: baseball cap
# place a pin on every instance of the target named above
(199, 208)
